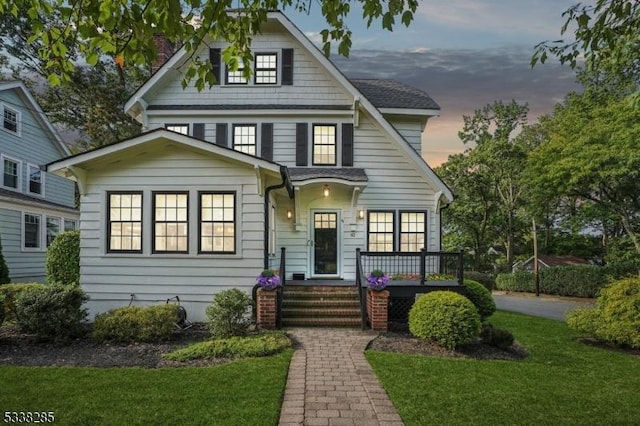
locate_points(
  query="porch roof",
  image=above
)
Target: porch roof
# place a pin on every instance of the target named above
(351, 174)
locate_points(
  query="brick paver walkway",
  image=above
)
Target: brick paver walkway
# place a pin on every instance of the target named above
(331, 383)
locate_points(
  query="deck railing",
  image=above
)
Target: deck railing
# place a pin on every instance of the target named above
(359, 277)
(412, 266)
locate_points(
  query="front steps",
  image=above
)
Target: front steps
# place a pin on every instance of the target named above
(320, 306)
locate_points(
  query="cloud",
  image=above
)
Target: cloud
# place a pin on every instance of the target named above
(463, 80)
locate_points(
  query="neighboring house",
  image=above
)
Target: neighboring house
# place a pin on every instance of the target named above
(545, 261)
(34, 205)
(298, 157)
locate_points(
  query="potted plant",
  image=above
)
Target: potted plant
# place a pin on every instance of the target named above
(377, 280)
(268, 280)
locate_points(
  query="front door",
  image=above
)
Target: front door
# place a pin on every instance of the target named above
(325, 243)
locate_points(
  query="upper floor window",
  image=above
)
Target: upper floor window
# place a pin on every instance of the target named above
(178, 128)
(36, 178)
(324, 144)
(380, 231)
(217, 226)
(124, 222)
(244, 138)
(236, 77)
(31, 235)
(170, 222)
(413, 231)
(266, 71)
(10, 172)
(10, 119)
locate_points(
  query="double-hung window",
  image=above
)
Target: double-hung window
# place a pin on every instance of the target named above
(237, 76)
(413, 231)
(380, 231)
(244, 138)
(178, 128)
(10, 173)
(10, 119)
(36, 178)
(217, 227)
(171, 222)
(324, 144)
(266, 71)
(31, 234)
(124, 221)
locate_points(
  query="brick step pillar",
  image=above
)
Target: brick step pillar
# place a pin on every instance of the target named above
(378, 309)
(267, 308)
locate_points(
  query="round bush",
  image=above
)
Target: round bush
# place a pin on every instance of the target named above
(51, 312)
(63, 258)
(228, 315)
(136, 324)
(487, 280)
(10, 292)
(616, 316)
(498, 337)
(481, 298)
(445, 318)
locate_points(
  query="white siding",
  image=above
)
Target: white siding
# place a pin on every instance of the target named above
(411, 130)
(111, 279)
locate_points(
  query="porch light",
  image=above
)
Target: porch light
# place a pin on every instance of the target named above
(289, 214)
(360, 214)
(325, 191)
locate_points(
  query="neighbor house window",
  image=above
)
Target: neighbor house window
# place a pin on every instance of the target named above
(170, 222)
(266, 71)
(70, 225)
(380, 231)
(31, 231)
(244, 138)
(236, 77)
(413, 231)
(124, 219)
(178, 128)
(217, 222)
(10, 173)
(35, 180)
(53, 229)
(10, 119)
(324, 144)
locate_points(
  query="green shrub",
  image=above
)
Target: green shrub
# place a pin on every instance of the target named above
(4, 269)
(10, 292)
(480, 297)
(136, 324)
(487, 280)
(616, 316)
(233, 347)
(517, 281)
(498, 337)
(63, 258)
(1, 309)
(444, 317)
(51, 312)
(228, 314)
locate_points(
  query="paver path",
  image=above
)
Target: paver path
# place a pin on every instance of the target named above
(331, 383)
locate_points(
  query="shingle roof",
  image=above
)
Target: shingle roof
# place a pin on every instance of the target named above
(299, 174)
(392, 94)
(247, 107)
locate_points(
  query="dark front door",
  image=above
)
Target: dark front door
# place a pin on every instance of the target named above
(325, 247)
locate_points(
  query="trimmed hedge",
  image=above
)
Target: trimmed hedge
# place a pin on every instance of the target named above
(1, 309)
(63, 258)
(487, 280)
(616, 316)
(480, 297)
(4, 269)
(136, 324)
(10, 292)
(575, 281)
(51, 312)
(446, 318)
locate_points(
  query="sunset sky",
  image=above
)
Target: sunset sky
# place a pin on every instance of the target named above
(465, 54)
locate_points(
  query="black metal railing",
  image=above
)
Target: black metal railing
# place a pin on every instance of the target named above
(359, 277)
(412, 266)
(283, 274)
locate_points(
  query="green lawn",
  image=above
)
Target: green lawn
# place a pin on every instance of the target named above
(561, 383)
(244, 392)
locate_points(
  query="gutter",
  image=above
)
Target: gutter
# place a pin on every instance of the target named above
(286, 182)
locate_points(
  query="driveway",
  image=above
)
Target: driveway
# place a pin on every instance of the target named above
(553, 307)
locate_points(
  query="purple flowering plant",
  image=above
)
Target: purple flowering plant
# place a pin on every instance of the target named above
(268, 279)
(377, 280)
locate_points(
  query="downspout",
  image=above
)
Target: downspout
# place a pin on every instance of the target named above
(286, 182)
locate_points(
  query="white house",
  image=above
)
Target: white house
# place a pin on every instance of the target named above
(34, 205)
(299, 157)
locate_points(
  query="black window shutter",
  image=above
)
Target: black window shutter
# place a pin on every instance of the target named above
(267, 141)
(302, 144)
(214, 58)
(198, 131)
(347, 144)
(287, 67)
(221, 134)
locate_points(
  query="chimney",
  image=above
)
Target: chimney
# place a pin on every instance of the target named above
(165, 50)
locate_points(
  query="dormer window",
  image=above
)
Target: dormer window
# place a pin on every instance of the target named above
(10, 119)
(266, 71)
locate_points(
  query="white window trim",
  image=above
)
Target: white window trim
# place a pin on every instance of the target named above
(18, 131)
(42, 178)
(15, 160)
(252, 81)
(42, 237)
